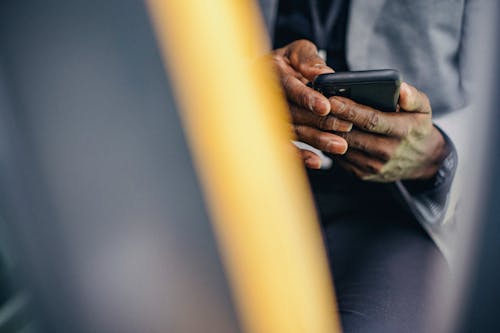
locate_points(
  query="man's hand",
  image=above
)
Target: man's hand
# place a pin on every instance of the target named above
(390, 146)
(296, 64)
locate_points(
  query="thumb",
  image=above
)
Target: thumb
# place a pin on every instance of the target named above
(413, 100)
(304, 58)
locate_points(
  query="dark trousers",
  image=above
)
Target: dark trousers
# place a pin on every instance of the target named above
(385, 267)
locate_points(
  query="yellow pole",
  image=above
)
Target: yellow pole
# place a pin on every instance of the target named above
(254, 184)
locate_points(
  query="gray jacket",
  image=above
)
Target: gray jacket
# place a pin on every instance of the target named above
(427, 41)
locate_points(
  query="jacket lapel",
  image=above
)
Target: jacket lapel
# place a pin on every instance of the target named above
(269, 10)
(358, 34)
(362, 18)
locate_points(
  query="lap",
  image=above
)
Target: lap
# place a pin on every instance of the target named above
(382, 269)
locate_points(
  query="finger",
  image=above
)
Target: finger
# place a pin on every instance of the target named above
(311, 160)
(380, 147)
(413, 100)
(364, 162)
(369, 119)
(302, 116)
(294, 83)
(300, 94)
(304, 58)
(323, 141)
(352, 168)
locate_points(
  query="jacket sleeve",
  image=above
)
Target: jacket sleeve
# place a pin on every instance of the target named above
(435, 204)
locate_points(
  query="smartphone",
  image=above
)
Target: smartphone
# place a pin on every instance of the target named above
(376, 88)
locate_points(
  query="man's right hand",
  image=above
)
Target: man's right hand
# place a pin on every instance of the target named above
(298, 63)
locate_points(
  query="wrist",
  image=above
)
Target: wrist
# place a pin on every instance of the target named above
(439, 150)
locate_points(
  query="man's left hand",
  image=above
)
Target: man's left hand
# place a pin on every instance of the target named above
(391, 146)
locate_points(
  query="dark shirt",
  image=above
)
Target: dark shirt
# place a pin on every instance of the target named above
(294, 22)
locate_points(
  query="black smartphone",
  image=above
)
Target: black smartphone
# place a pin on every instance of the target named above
(376, 88)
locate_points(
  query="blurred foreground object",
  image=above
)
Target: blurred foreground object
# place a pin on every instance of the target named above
(256, 186)
(477, 253)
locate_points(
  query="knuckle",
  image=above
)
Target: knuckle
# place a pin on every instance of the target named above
(276, 58)
(372, 121)
(360, 144)
(375, 168)
(326, 123)
(341, 108)
(322, 123)
(286, 81)
(349, 111)
(279, 64)
(385, 150)
(332, 123)
(384, 154)
(299, 131)
(306, 101)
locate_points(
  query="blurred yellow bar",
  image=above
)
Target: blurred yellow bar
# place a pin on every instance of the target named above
(254, 184)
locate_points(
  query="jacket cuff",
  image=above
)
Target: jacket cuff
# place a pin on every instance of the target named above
(431, 196)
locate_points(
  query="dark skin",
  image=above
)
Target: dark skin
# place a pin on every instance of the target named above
(373, 145)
